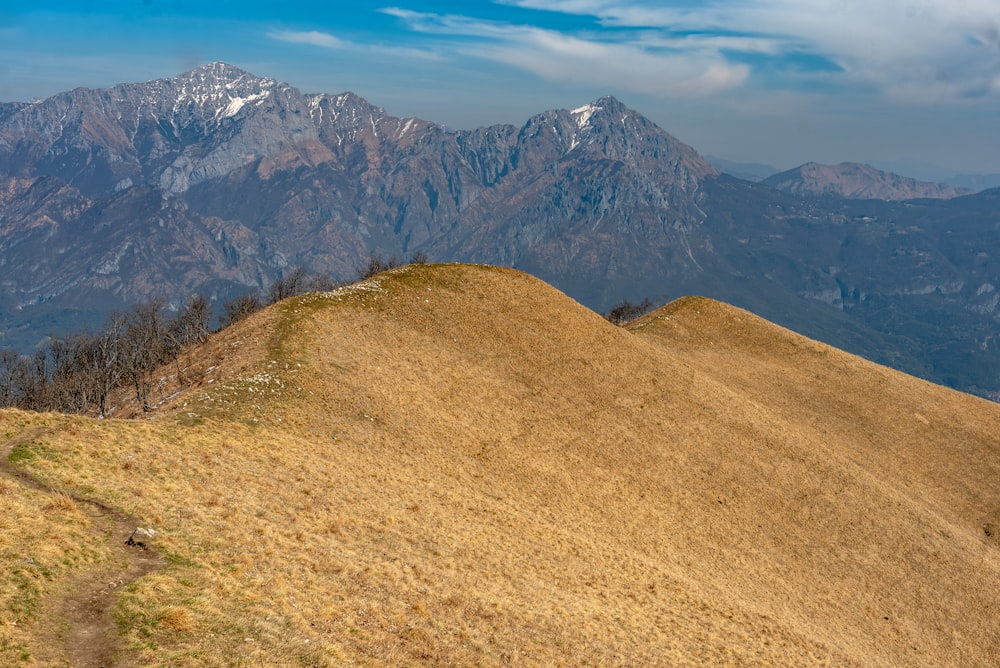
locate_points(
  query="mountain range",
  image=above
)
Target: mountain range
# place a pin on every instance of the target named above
(218, 181)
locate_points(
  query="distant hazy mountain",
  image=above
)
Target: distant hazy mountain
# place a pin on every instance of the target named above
(748, 171)
(219, 181)
(938, 174)
(975, 182)
(857, 181)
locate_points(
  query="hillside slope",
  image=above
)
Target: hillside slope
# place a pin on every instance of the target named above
(459, 464)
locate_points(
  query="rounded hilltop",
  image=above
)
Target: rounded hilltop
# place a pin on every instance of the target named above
(457, 463)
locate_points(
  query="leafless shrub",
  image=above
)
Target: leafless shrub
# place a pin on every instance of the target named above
(238, 308)
(625, 311)
(294, 283)
(190, 325)
(376, 264)
(322, 283)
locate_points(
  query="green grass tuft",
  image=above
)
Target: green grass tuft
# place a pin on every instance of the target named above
(22, 452)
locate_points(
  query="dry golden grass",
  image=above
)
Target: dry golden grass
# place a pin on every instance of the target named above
(44, 540)
(177, 618)
(454, 464)
(60, 502)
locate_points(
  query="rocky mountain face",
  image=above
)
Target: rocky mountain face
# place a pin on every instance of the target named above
(218, 181)
(858, 181)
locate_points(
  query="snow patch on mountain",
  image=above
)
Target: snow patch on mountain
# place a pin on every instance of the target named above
(237, 103)
(582, 114)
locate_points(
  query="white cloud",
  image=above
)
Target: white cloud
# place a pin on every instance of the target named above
(561, 58)
(326, 40)
(916, 50)
(313, 37)
(634, 65)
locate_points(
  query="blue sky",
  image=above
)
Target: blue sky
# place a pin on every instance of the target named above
(915, 83)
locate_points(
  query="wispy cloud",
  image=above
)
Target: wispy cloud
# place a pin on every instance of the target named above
(312, 37)
(562, 58)
(629, 64)
(328, 41)
(909, 51)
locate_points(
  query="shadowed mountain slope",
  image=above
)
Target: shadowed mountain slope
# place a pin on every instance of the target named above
(451, 463)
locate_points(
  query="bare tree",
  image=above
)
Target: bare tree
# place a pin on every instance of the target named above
(190, 325)
(240, 307)
(295, 283)
(10, 361)
(145, 346)
(71, 377)
(376, 264)
(322, 283)
(32, 382)
(109, 359)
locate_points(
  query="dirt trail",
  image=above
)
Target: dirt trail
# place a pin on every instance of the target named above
(76, 624)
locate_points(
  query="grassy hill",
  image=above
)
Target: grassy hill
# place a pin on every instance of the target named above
(458, 464)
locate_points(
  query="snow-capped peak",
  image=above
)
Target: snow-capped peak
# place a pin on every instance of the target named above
(219, 72)
(219, 89)
(582, 114)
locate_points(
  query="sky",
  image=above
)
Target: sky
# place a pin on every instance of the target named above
(912, 85)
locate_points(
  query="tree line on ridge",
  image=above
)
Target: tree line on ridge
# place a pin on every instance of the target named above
(79, 372)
